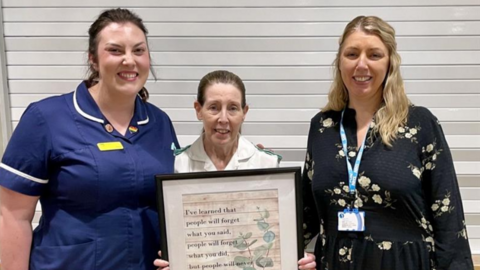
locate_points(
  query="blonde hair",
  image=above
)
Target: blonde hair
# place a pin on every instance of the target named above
(394, 110)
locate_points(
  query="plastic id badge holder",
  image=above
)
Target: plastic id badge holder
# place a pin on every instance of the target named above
(351, 220)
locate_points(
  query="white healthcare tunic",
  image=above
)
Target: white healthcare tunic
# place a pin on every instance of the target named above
(193, 158)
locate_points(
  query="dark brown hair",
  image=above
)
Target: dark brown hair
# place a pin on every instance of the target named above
(118, 15)
(220, 76)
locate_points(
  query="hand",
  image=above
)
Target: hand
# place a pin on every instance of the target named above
(308, 262)
(162, 265)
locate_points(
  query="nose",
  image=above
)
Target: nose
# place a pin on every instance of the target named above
(223, 117)
(362, 63)
(128, 59)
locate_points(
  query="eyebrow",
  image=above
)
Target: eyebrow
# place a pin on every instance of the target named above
(117, 45)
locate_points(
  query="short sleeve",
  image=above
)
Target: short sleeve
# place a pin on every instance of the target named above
(24, 166)
(452, 250)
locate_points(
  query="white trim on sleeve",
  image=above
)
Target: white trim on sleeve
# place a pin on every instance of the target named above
(24, 175)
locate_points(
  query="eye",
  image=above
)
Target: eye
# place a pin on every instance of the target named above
(114, 51)
(234, 108)
(213, 107)
(139, 51)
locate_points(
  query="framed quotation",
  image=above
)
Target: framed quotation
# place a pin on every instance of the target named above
(238, 220)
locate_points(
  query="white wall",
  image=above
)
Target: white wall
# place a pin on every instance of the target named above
(281, 48)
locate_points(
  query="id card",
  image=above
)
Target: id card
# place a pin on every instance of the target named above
(351, 221)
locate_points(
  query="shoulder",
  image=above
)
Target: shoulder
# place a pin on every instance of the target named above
(419, 115)
(327, 117)
(181, 151)
(265, 158)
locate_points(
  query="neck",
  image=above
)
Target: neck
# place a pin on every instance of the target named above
(116, 108)
(365, 108)
(220, 155)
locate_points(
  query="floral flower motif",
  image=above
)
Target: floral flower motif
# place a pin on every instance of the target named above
(428, 166)
(375, 187)
(416, 171)
(442, 206)
(337, 190)
(364, 181)
(341, 153)
(385, 245)
(429, 148)
(358, 203)
(408, 133)
(425, 224)
(327, 122)
(346, 188)
(341, 202)
(377, 199)
(345, 254)
(463, 232)
(352, 154)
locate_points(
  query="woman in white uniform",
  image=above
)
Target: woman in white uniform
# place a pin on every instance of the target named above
(222, 108)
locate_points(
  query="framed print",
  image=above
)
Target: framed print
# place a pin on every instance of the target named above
(231, 220)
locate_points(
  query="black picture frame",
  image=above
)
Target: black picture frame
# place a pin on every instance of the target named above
(169, 182)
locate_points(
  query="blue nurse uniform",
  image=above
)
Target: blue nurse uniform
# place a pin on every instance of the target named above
(98, 204)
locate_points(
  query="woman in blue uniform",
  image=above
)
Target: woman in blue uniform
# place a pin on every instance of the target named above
(90, 157)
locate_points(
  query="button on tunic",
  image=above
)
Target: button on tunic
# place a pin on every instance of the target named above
(98, 207)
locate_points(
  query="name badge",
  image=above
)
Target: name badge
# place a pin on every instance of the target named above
(110, 146)
(351, 220)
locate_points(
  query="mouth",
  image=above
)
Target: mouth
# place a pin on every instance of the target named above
(128, 76)
(362, 78)
(222, 131)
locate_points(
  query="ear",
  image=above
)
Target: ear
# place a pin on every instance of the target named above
(245, 110)
(198, 110)
(91, 61)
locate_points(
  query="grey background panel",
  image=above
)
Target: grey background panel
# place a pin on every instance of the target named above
(247, 29)
(251, 14)
(234, 44)
(253, 87)
(231, 3)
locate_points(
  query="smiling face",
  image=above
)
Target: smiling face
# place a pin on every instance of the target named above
(364, 61)
(222, 114)
(122, 58)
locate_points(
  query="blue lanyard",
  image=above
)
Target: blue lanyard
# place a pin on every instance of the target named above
(352, 173)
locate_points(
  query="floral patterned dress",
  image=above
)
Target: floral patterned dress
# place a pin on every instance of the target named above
(413, 211)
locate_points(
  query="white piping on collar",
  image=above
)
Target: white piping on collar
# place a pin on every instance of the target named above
(82, 113)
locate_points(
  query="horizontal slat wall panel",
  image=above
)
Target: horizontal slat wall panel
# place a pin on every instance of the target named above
(282, 101)
(293, 115)
(283, 50)
(247, 73)
(267, 14)
(253, 87)
(455, 28)
(243, 58)
(230, 3)
(235, 44)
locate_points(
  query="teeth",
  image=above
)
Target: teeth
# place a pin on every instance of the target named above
(362, 79)
(128, 75)
(222, 131)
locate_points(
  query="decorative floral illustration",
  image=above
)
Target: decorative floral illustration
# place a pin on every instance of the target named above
(260, 256)
(425, 224)
(441, 207)
(384, 245)
(326, 123)
(408, 133)
(352, 151)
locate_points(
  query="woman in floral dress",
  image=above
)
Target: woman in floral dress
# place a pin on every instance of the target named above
(406, 184)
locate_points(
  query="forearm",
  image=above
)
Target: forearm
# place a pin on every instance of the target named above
(16, 239)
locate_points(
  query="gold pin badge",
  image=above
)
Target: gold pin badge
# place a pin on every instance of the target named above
(109, 128)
